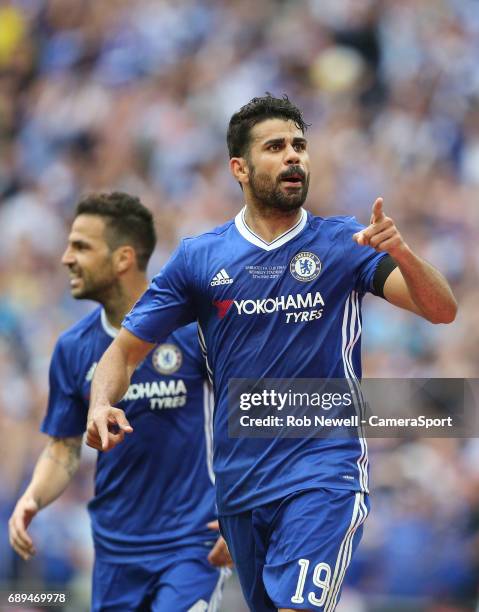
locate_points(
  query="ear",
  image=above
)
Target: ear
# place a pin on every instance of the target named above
(239, 169)
(124, 258)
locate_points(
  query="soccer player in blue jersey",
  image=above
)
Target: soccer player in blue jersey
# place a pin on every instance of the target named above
(153, 495)
(277, 294)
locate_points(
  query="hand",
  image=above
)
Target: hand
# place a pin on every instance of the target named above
(106, 428)
(219, 555)
(22, 516)
(381, 233)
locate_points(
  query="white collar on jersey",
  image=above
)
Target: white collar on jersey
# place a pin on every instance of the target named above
(107, 326)
(250, 236)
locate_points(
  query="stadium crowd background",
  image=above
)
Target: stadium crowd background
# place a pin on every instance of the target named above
(135, 95)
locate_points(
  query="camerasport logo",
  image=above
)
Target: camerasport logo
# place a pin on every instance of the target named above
(298, 308)
(305, 266)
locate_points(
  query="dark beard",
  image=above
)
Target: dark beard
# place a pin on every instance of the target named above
(98, 290)
(268, 194)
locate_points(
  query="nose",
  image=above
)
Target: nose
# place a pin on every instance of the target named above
(68, 257)
(292, 156)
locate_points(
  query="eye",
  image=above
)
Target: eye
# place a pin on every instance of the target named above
(79, 246)
(300, 146)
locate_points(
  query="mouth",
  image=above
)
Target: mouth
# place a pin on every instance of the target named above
(75, 280)
(294, 180)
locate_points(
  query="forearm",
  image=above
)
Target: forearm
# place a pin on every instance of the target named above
(107, 425)
(55, 468)
(427, 287)
(112, 377)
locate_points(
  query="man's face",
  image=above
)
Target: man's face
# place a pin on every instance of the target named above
(278, 165)
(89, 259)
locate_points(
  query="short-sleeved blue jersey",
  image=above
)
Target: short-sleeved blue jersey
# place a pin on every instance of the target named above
(288, 309)
(154, 492)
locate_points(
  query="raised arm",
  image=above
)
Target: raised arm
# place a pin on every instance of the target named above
(53, 471)
(414, 285)
(107, 425)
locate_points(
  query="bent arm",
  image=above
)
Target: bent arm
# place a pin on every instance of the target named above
(53, 471)
(418, 287)
(415, 285)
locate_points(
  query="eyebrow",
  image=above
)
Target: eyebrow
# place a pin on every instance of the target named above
(296, 140)
(78, 242)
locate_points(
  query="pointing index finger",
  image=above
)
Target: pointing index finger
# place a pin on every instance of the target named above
(378, 213)
(102, 427)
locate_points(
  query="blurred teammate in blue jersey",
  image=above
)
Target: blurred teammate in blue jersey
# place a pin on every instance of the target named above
(154, 494)
(277, 294)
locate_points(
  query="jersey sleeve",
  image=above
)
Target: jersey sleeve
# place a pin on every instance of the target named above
(67, 411)
(363, 260)
(188, 339)
(199, 356)
(167, 303)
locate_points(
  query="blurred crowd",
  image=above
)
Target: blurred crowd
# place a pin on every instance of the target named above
(135, 95)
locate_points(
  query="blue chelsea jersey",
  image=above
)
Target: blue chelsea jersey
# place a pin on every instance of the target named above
(154, 492)
(286, 309)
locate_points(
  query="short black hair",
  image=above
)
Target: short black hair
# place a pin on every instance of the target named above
(257, 110)
(127, 222)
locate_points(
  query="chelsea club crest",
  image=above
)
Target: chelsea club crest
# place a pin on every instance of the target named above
(305, 266)
(167, 358)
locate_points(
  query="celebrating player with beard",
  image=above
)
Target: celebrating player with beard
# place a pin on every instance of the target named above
(277, 294)
(154, 494)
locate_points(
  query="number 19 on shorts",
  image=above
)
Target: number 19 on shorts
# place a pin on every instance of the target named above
(321, 579)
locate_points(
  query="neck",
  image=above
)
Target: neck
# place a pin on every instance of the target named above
(122, 299)
(269, 224)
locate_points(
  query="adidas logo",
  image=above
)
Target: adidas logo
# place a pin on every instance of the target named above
(221, 278)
